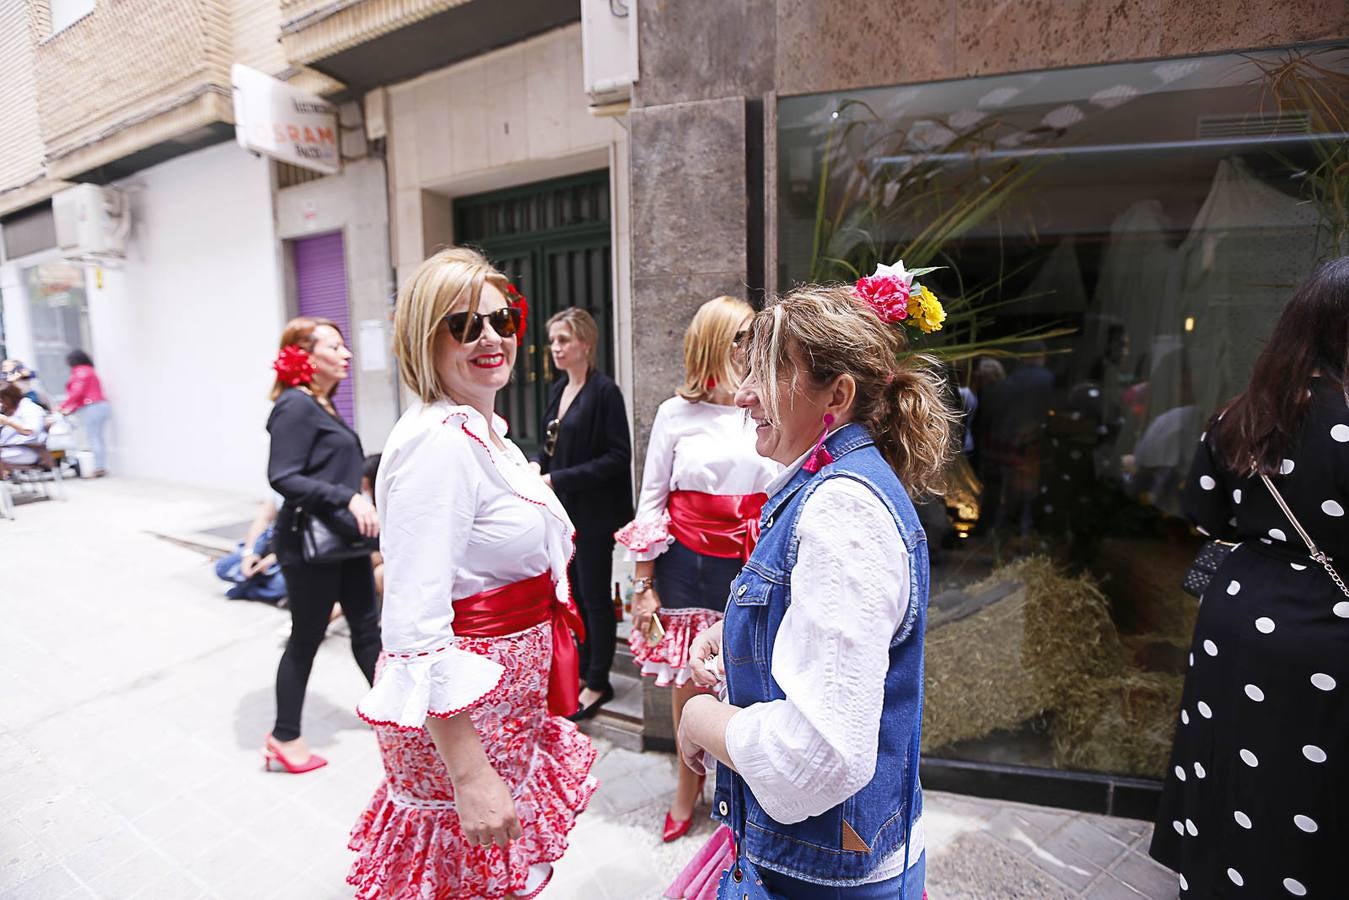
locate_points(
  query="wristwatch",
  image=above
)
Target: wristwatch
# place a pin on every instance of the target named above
(641, 585)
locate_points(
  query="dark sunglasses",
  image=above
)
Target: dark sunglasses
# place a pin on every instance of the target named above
(467, 327)
(550, 436)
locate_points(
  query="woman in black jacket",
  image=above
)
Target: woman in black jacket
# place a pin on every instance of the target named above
(315, 464)
(586, 458)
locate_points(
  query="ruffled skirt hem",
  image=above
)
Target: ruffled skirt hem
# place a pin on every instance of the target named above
(411, 848)
(668, 659)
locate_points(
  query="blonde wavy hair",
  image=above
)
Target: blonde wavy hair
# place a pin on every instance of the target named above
(820, 332)
(708, 350)
(449, 281)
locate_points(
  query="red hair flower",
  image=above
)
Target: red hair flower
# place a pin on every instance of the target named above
(887, 295)
(517, 301)
(293, 366)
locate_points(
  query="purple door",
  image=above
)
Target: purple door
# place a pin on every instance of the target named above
(321, 286)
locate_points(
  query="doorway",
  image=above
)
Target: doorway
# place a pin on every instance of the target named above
(553, 240)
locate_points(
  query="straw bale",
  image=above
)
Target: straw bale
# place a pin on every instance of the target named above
(1122, 723)
(1019, 656)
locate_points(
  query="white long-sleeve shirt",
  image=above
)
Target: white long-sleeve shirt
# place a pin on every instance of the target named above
(458, 516)
(704, 447)
(806, 754)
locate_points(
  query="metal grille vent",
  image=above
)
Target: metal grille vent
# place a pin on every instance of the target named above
(1243, 125)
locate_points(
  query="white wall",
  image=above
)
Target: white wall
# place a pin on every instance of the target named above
(184, 334)
(355, 203)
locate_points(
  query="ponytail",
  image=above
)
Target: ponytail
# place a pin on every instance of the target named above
(912, 425)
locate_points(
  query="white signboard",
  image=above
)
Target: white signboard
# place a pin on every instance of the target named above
(277, 120)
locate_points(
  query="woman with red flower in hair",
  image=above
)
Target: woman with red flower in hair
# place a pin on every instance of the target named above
(315, 465)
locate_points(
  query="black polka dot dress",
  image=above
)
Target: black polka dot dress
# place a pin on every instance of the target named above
(1256, 800)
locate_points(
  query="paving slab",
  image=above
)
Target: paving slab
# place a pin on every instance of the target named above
(136, 699)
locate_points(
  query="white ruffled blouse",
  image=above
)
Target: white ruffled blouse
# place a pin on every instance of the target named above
(704, 447)
(458, 516)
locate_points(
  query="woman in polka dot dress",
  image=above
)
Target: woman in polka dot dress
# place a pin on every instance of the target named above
(1256, 801)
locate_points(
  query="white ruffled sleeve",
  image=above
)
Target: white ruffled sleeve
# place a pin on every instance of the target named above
(647, 536)
(427, 497)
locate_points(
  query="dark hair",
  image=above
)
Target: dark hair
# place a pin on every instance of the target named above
(370, 468)
(1312, 335)
(78, 357)
(10, 394)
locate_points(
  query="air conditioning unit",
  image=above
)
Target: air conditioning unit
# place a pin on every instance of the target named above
(609, 47)
(92, 222)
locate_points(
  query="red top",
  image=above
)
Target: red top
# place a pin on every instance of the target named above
(726, 526)
(524, 604)
(82, 389)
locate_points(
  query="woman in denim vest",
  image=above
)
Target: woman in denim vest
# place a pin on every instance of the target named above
(822, 644)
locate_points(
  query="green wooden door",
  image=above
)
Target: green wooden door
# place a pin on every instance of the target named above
(552, 240)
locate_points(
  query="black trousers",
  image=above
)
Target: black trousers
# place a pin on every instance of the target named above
(312, 591)
(591, 575)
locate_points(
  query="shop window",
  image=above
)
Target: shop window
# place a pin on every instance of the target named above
(58, 316)
(1118, 240)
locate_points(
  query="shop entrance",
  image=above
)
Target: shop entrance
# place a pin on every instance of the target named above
(552, 239)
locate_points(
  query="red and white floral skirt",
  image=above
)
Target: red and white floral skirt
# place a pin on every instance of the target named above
(409, 839)
(668, 659)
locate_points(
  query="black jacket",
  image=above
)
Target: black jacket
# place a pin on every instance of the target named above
(591, 465)
(315, 463)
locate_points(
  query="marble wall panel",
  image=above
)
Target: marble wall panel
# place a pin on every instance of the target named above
(703, 51)
(663, 306)
(832, 46)
(688, 188)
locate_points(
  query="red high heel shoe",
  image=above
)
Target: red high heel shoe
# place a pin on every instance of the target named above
(273, 760)
(674, 830)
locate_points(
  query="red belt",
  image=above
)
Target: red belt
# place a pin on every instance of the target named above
(516, 607)
(725, 526)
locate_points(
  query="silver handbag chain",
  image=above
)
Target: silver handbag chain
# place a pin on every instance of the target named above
(1316, 554)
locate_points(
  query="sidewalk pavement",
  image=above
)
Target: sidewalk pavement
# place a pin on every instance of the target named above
(136, 699)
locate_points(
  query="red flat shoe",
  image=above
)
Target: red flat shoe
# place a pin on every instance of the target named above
(675, 830)
(274, 761)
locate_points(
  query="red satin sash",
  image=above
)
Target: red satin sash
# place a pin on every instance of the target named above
(515, 607)
(723, 526)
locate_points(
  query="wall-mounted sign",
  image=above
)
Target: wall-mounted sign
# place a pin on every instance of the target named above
(277, 120)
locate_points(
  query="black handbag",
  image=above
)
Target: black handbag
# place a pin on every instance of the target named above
(332, 538)
(1205, 565)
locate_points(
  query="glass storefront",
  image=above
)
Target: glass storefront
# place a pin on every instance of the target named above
(58, 314)
(1118, 242)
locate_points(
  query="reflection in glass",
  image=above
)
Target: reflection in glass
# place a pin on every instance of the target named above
(58, 316)
(1118, 241)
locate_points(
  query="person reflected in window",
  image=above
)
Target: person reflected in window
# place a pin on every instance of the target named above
(1253, 802)
(1012, 415)
(586, 458)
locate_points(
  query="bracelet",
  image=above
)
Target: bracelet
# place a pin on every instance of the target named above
(641, 585)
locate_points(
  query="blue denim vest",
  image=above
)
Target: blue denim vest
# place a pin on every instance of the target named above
(883, 811)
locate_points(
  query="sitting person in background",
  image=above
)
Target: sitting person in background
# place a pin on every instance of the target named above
(252, 569)
(369, 470)
(14, 371)
(22, 425)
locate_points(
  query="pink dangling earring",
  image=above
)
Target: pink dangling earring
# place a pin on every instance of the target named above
(711, 383)
(820, 456)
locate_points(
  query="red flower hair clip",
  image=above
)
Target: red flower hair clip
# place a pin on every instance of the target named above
(293, 366)
(517, 301)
